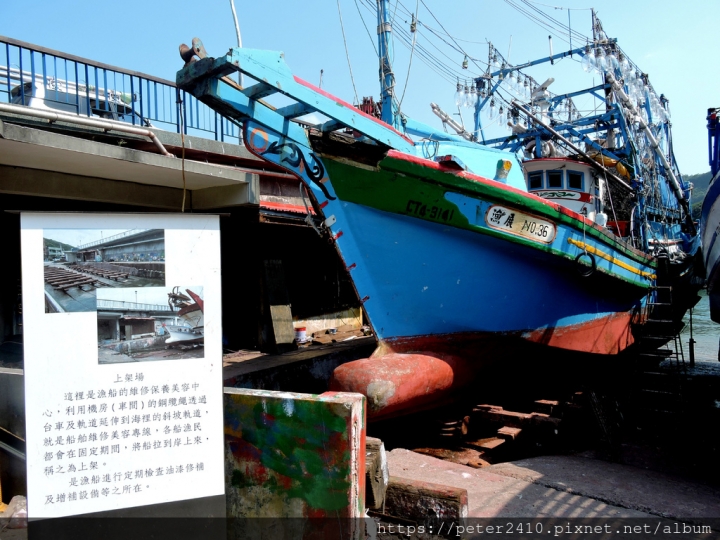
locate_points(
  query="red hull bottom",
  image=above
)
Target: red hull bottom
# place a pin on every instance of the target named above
(409, 374)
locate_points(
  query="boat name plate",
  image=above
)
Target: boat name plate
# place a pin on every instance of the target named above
(519, 223)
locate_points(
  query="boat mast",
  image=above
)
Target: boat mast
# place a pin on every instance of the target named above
(387, 77)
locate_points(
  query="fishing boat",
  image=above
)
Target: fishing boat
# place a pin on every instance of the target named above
(190, 309)
(573, 232)
(710, 217)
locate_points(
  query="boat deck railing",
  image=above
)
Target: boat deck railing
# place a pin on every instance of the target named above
(36, 76)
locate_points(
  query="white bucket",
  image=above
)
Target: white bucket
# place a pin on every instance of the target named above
(300, 334)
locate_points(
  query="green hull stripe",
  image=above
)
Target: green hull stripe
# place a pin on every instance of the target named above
(397, 185)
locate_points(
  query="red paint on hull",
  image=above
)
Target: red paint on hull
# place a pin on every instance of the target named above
(408, 374)
(604, 335)
(607, 335)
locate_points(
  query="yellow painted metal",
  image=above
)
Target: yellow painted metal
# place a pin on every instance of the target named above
(610, 258)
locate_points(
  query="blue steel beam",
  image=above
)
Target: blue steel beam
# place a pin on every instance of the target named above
(295, 110)
(270, 68)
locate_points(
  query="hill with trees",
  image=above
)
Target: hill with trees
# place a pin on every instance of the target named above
(701, 183)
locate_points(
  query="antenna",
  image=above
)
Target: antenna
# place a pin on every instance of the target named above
(552, 61)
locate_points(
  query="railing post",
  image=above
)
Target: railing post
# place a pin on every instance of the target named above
(178, 113)
(22, 82)
(132, 98)
(140, 98)
(87, 92)
(77, 89)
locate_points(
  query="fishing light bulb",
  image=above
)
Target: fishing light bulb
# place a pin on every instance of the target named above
(492, 110)
(666, 106)
(612, 61)
(481, 89)
(494, 62)
(465, 63)
(624, 65)
(501, 76)
(600, 61)
(471, 99)
(459, 98)
(466, 96)
(526, 89)
(588, 60)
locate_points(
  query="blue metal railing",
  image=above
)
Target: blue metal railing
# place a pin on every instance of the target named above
(43, 78)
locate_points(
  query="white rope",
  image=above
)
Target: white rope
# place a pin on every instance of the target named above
(347, 54)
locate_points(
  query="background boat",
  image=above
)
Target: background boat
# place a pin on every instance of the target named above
(710, 217)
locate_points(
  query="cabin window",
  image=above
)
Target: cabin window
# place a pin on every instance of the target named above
(554, 179)
(535, 180)
(575, 180)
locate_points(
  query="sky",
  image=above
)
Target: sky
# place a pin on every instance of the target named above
(79, 237)
(671, 41)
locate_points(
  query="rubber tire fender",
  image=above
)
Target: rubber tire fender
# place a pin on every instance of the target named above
(582, 270)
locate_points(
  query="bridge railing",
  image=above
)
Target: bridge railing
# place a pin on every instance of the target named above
(118, 236)
(43, 78)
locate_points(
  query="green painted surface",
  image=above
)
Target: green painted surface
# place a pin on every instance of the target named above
(396, 182)
(288, 450)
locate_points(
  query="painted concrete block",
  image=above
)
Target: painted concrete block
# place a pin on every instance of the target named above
(290, 455)
(425, 503)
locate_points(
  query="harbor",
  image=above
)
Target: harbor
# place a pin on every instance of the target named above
(264, 302)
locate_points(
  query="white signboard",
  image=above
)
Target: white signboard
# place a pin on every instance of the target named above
(519, 223)
(123, 360)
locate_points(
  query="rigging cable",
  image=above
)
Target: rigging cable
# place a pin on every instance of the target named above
(412, 50)
(556, 22)
(427, 57)
(347, 54)
(545, 25)
(366, 28)
(453, 39)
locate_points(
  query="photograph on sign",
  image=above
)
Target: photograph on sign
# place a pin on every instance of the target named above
(123, 381)
(77, 262)
(152, 323)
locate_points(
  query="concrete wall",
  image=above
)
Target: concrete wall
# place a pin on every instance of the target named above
(295, 455)
(148, 250)
(12, 420)
(349, 318)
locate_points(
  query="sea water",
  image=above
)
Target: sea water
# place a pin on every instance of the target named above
(705, 332)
